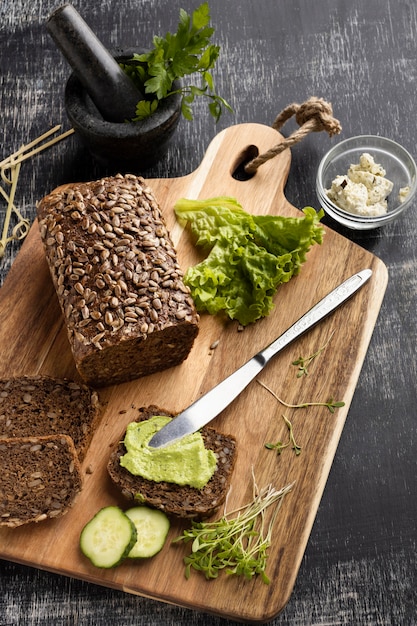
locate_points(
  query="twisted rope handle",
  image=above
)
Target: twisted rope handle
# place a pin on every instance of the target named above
(314, 115)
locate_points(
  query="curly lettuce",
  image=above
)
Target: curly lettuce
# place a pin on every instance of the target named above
(249, 256)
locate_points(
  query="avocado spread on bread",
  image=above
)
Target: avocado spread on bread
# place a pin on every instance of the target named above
(185, 462)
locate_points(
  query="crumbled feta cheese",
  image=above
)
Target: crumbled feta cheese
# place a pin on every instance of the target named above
(363, 190)
(403, 193)
(367, 164)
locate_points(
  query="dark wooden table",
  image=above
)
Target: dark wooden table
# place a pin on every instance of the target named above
(360, 563)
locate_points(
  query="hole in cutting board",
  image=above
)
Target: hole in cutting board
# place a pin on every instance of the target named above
(238, 170)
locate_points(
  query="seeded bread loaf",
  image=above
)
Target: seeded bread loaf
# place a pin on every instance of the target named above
(119, 284)
(40, 405)
(40, 478)
(180, 501)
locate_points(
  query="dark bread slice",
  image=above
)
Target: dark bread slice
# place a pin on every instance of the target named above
(40, 478)
(33, 406)
(127, 310)
(180, 501)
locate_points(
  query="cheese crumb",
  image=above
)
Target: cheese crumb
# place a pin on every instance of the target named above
(363, 190)
(403, 193)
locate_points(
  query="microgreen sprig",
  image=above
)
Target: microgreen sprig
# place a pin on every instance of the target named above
(239, 545)
(330, 403)
(304, 362)
(279, 445)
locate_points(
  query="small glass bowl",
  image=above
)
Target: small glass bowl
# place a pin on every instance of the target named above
(400, 168)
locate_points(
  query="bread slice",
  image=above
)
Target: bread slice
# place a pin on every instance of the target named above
(40, 478)
(180, 501)
(127, 310)
(33, 406)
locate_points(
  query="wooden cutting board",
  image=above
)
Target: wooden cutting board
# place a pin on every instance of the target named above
(33, 340)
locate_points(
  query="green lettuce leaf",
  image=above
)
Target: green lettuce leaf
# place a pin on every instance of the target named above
(249, 256)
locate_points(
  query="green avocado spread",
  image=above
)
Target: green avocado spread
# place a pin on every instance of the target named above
(185, 462)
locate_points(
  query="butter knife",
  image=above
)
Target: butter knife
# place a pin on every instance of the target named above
(214, 401)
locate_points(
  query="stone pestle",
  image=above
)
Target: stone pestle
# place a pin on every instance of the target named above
(109, 87)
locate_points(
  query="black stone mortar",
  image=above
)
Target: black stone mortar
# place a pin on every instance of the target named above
(131, 145)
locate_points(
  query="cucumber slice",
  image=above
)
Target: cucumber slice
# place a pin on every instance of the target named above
(108, 537)
(152, 528)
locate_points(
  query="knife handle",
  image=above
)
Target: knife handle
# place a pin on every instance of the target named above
(315, 314)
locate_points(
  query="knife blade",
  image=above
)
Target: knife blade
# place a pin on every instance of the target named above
(217, 399)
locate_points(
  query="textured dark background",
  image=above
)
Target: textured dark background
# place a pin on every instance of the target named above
(360, 563)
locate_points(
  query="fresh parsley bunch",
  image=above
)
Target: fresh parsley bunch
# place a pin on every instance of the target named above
(174, 56)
